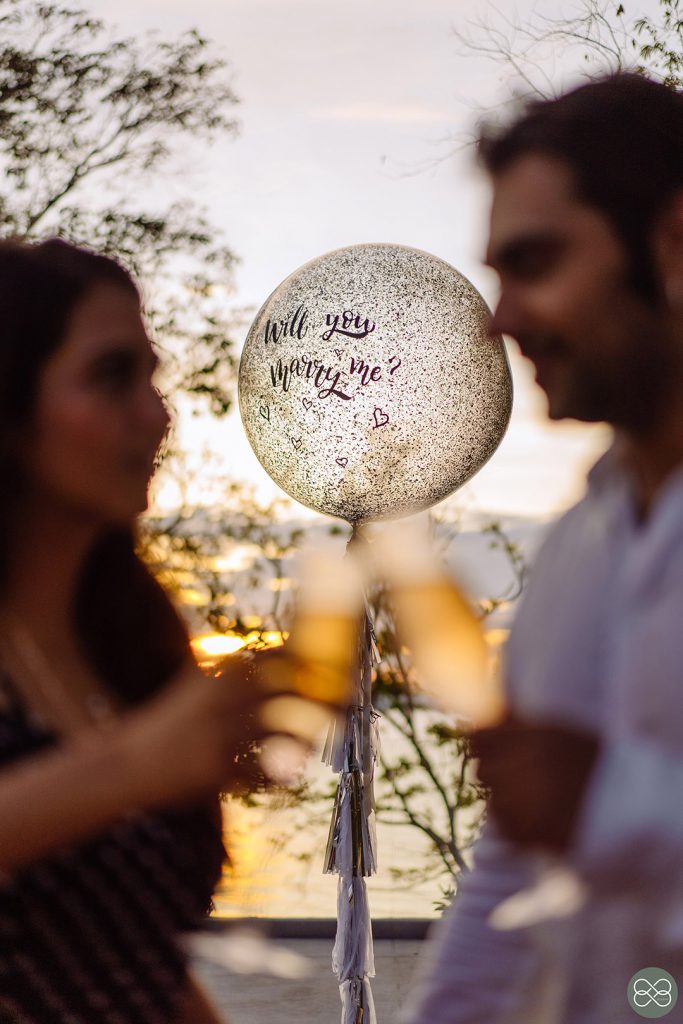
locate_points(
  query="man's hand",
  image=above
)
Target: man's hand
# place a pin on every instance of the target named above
(537, 774)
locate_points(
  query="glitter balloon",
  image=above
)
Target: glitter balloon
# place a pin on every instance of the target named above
(369, 387)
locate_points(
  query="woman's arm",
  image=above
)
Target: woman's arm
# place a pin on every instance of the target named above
(177, 748)
(195, 1007)
(64, 796)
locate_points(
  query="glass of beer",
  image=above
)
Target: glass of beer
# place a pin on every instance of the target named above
(313, 676)
(437, 624)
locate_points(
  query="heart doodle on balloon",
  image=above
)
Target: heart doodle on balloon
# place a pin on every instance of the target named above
(265, 411)
(307, 403)
(381, 418)
(297, 443)
(342, 462)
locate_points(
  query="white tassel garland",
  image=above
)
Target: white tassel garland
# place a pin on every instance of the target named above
(352, 842)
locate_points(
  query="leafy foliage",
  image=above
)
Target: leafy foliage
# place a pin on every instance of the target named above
(229, 563)
(597, 37)
(660, 43)
(90, 125)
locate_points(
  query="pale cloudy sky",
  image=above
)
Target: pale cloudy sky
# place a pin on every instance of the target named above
(346, 112)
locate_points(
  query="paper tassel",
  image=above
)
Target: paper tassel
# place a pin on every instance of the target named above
(333, 751)
(353, 955)
(355, 745)
(338, 858)
(352, 840)
(357, 1003)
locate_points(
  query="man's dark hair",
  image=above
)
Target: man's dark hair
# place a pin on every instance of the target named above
(622, 137)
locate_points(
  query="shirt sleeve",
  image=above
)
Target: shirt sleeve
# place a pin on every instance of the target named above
(470, 973)
(630, 831)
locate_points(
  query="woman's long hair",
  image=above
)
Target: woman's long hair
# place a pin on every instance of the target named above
(126, 624)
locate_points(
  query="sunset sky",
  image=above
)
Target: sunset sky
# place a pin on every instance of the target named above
(351, 117)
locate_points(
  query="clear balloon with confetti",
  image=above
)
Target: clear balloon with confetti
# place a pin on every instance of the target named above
(369, 385)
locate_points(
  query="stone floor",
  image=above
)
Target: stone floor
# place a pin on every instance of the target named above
(262, 999)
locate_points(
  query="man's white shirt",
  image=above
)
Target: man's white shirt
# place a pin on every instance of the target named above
(598, 644)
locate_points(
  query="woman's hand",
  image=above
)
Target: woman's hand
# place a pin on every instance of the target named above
(190, 740)
(186, 744)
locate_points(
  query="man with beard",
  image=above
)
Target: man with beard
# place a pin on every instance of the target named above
(586, 772)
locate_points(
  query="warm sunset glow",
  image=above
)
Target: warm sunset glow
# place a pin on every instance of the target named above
(211, 646)
(252, 621)
(253, 868)
(273, 638)
(191, 596)
(217, 645)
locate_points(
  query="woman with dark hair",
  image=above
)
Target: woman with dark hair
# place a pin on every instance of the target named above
(113, 745)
